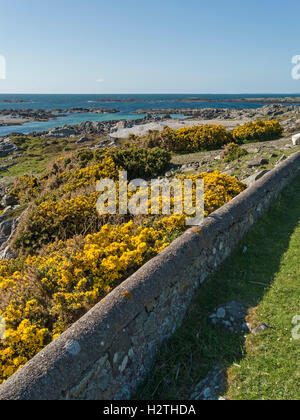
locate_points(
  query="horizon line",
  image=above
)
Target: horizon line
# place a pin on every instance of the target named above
(151, 93)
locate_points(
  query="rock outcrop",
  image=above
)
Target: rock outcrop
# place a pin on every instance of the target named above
(267, 111)
(7, 147)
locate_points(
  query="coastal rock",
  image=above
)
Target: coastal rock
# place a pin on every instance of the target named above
(61, 132)
(268, 111)
(212, 387)
(7, 147)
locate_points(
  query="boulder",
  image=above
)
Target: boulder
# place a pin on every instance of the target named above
(260, 328)
(7, 147)
(212, 387)
(296, 140)
(7, 230)
(9, 200)
(258, 162)
(61, 132)
(82, 140)
(282, 159)
(7, 254)
(253, 178)
(6, 227)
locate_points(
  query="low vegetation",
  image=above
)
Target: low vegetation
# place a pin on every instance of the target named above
(258, 131)
(207, 136)
(69, 257)
(188, 139)
(233, 152)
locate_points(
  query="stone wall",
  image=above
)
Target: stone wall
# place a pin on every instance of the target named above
(108, 351)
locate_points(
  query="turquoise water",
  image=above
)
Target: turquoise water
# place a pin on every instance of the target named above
(71, 119)
(127, 109)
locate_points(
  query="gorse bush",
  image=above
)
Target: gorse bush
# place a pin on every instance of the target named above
(69, 207)
(219, 189)
(187, 139)
(56, 219)
(25, 188)
(232, 152)
(70, 257)
(258, 131)
(140, 162)
(204, 137)
(43, 295)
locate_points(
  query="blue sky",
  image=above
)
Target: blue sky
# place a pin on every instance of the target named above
(157, 46)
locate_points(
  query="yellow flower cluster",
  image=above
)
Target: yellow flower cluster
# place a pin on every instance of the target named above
(81, 177)
(25, 187)
(54, 289)
(54, 219)
(259, 130)
(203, 137)
(191, 139)
(56, 216)
(43, 294)
(219, 189)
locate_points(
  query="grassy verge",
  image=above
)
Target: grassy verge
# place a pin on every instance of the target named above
(267, 279)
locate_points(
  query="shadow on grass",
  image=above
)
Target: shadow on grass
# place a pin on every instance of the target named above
(198, 346)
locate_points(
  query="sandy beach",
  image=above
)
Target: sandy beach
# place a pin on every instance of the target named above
(7, 120)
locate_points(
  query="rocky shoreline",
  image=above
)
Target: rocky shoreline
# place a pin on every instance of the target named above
(10, 117)
(95, 128)
(278, 100)
(273, 110)
(275, 100)
(157, 119)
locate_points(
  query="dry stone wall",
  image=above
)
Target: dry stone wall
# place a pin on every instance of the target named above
(109, 351)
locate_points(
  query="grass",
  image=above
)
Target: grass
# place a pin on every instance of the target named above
(37, 152)
(266, 278)
(240, 165)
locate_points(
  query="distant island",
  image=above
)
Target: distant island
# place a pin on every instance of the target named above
(16, 101)
(283, 100)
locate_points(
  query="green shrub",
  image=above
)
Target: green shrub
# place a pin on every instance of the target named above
(139, 162)
(232, 152)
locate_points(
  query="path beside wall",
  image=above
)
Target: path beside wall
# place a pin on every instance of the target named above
(108, 352)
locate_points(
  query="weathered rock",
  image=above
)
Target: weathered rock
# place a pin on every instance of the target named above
(260, 328)
(7, 147)
(61, 132)
(212, 387)
(7, 254)
(82, 140)
(296, 140)
(255, 177)
(231, 316)
(7, 230)
(283, 157)
(257, 162)
(9, 200)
